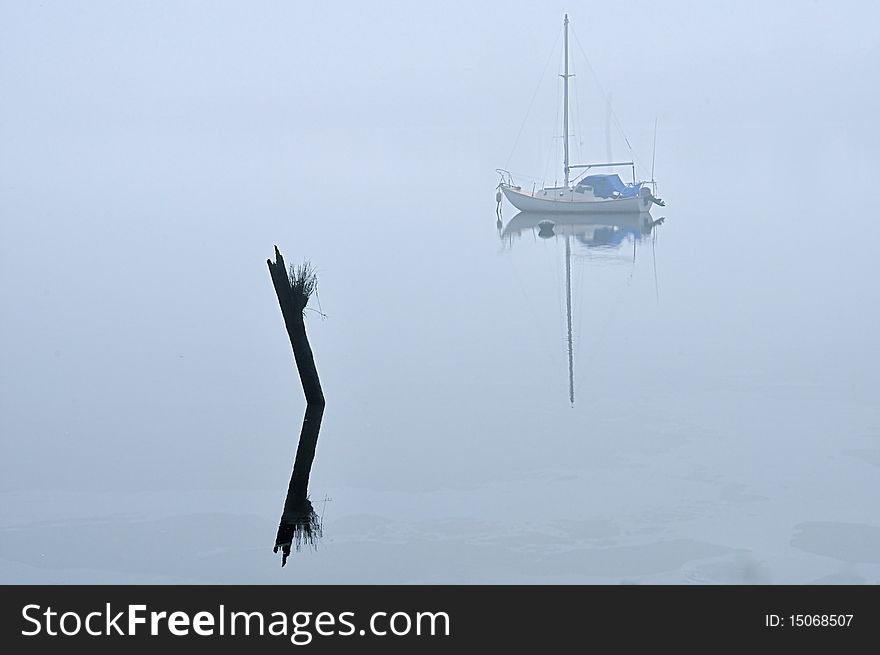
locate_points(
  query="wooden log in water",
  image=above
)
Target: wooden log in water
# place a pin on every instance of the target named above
(298, 520)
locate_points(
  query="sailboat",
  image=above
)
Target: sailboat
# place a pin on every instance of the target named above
(601, 193)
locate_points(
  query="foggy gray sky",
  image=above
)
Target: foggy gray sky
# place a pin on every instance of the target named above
(151, 154)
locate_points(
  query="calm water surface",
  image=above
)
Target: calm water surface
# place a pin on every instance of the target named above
(725, 427)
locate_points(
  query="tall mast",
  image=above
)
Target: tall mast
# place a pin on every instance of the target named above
(565, 102)
(568, 314)
(567, 239)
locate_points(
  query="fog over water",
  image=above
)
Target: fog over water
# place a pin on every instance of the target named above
(725, 428)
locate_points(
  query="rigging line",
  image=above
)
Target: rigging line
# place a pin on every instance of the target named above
(654, 150)
(605, 95)
(579, 120)
(529, 178)
(553, 149)
(608, 148)
(559, 85)
(553, 249)
(557, 288)
(580, 295)
(603, 327)
(534, 95)
(555, 266)
(579, 176)
(654, 261)
(519, 283)
(564, 256)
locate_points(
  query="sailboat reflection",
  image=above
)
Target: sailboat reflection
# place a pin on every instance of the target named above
(607, 231)
(592, 230)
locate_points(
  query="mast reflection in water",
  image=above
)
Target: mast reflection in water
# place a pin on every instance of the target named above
(606, 231)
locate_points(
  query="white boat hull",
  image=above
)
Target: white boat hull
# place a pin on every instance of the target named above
(557, 201)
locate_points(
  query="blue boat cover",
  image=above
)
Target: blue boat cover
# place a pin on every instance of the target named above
(606, 186)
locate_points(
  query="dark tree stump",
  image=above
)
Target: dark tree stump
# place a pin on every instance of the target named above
(299, 523)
